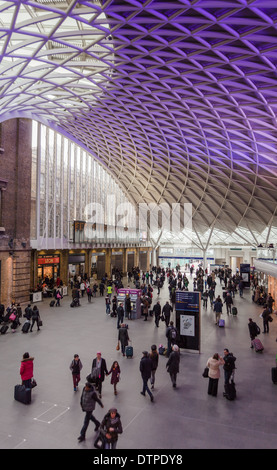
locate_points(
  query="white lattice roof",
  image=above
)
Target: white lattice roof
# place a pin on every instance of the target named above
(176, 98)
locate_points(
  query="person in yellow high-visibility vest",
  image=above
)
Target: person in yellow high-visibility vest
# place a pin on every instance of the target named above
(109, 290)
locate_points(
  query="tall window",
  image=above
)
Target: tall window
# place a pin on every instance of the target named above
(66, 180)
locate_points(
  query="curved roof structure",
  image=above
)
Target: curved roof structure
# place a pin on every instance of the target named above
(176, 98)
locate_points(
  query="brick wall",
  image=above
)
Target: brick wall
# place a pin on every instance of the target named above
(15, 171)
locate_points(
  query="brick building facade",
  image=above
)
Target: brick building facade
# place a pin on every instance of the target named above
(15, 207)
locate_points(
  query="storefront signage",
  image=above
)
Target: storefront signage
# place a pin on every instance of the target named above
(48, 260)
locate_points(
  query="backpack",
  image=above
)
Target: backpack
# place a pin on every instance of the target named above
(173, 333)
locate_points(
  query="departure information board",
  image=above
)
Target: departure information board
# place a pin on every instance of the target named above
(187, 300)
(188, 306)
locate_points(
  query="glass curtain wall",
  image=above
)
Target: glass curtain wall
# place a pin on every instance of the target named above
(68, 185)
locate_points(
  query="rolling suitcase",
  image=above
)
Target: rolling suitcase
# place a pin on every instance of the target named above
(230, 391)
(25, 328)
(274, 375)
(52, 303)
(22, 394)
(4, 329)
(221, 323)
(257, 344)
(234, 311)
(6, 318)
(129, 351)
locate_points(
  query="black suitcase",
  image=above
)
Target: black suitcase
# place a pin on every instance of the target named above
(234, 311)
(52, 303)
(4, 329)
(230, 391)
(274, 375)
(26, 327)
(22, 394)
(129, 351)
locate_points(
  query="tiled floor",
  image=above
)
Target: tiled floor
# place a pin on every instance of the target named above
(182, 418)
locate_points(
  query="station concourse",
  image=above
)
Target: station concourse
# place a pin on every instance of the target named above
(137, 133)
(182, 418)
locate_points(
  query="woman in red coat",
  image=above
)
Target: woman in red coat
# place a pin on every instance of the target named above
(26, 370)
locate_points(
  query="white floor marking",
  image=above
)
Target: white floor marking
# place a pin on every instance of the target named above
(51, 408)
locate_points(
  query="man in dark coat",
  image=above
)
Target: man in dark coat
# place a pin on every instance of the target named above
(120, 315)
(254, 330)
(145, 368)
(172, 364)
(167, 309)
(229, 302)
(28, 312)
(123, 337)
(157, 312)
(265, 316)
(100, 367)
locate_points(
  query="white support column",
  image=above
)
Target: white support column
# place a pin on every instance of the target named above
(38, 181)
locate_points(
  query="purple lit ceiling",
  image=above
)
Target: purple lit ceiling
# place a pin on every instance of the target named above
(178, 99)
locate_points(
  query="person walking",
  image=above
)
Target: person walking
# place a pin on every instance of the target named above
(100, 367)
(154, 356)
(241, 287)
(211, 295)
(145, 370)
(128, 307)
(58, 297)
(123, 337)
(109, 290)
(114, 306)
(205, 299)
(171, 334)
(111, 426)
(88, 401)
(89, 294)
(214, 364)
(254, 330)
(108, 304)
(229, 302)
(265, 316)
(101, 288)
(28, 312)
(115, 371)
(82, 288)
(167, 309)
(76, 367)
(35, 318)
(157, 309)
(218, 309)
(120, 315)
(27, 370)
(173, 363)
(270, 301)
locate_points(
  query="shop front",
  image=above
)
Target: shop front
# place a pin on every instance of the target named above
(76, 264)
(48, 267)
(98, 265)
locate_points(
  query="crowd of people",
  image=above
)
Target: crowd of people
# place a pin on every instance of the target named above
(13, 317)
(108, 430)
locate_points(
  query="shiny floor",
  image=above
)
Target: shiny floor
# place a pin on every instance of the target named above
(182, 418)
